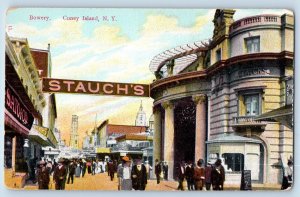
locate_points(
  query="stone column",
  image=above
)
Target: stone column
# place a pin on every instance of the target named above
(169, 137)
(200, 132)
(157, 134)
(13, 156)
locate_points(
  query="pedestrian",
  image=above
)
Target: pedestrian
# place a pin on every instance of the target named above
(124, 174)
(59, 175)
(157, 170)
(148, 169)
(94, 165)
(208, 170)
(89, 166)
(181, 175)
(218, 175)
(71, 169)
(139, 175)
(165, 169)
(49, 167)
(83, 167)
(199, 175)
(43, 176)
(111, 168)
(287, 179)
(189, 175)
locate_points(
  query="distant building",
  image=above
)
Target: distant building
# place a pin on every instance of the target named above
(141, 119)
(74, 132)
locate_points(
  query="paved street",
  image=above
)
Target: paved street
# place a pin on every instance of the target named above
(103, 182)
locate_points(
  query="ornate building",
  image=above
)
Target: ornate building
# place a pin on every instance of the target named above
(208, 94)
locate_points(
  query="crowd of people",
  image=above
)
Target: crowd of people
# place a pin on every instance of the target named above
(65, 170)
(197, 176)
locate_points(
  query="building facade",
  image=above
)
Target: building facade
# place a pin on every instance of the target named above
(74, 143)
(207, 95)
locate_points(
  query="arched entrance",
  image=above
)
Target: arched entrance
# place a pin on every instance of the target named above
(185, 124)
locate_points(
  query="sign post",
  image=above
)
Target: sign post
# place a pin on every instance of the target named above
(246, 180)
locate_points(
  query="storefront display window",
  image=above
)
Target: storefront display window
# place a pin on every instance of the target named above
(234, 161)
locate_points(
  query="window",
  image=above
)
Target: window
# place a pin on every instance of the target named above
(253, 44)
(251, 105)
(218, 55)
(234, 161)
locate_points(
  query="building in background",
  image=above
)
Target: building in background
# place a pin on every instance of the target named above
(141, 119)
(208, 94)
(74, 143)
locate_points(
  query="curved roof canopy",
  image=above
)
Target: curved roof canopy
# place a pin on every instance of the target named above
(183, 55)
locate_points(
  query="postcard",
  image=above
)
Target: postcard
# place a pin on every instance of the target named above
(149, 99)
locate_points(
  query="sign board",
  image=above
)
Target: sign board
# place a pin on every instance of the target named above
(15, 106)
(95, 87)
(246, 180)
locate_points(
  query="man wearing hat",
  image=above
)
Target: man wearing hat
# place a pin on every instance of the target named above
(124, 174)
(139, 175)
(43, 176)
(157, 171)
(208, 170)
(59, 175)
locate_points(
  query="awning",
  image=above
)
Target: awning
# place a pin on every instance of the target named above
(232, 138)
(284, 115)
(47, 133)
(38, 137)
(102, 150)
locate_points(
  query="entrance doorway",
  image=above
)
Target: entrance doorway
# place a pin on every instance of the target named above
(185, 125)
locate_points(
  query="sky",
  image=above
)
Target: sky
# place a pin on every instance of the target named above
(118, 47)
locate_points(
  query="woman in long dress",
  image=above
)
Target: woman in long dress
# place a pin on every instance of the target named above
(77, 169)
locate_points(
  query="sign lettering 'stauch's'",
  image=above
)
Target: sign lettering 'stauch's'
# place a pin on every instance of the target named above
(95, 87)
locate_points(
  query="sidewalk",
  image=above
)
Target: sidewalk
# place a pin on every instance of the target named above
(103, 182)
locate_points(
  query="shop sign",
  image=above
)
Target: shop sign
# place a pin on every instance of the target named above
(95, 87)
(16, 108)
(253, 72)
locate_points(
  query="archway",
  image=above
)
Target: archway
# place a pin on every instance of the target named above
(184, 138)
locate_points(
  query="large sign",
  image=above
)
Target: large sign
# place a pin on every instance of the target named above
(95, 87)
(16, 108)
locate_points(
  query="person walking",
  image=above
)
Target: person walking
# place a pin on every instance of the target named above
(43, 175)
(78, 168)
(71, 169)
(112, 169)
(218, 175)
(208, 170)
(124, 174)
(287, 179)
(94, 166)
(189, 175)
(139, 175)
(148, 169)
(199, 175)
(165, 169)
(59, 175)
(157, 171)
(181, 175)
(83, 167)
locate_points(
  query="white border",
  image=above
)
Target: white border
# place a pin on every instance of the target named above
(286, 4)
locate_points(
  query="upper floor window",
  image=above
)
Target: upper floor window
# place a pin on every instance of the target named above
(251, 105)
(253, 44)
(218, 55)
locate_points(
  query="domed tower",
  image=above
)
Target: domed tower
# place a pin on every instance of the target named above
(140, 119)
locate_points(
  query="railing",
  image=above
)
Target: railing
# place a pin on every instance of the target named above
(249, 21)
(245, 120)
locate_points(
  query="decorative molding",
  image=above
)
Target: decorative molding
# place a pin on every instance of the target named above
(167, 104)
(199, 99)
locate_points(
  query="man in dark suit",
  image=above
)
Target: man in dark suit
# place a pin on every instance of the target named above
(139, 176)
(43, 176)
(59, 175)
(71, 169)
(157, 170)
(181, 175)
(218, 175)
(189, 175)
